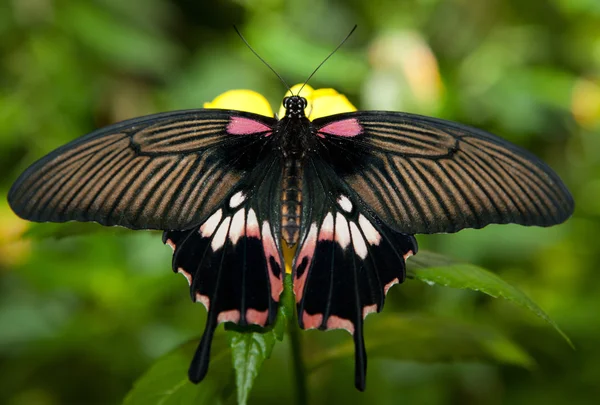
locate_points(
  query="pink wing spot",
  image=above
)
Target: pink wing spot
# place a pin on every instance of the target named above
(408, 254)
(204, 300)
(307, 252)
(389, 285)
(335, 322)
(326, 232)
(311, 321)
(229, 316)
(257, 317)
(247, 126)
(237, 228)
(171, 244)
(187, 275)
(270, 249)
(369, 309)
(347, 128)
(252, 228)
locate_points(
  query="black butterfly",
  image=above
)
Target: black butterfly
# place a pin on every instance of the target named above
(349, 190)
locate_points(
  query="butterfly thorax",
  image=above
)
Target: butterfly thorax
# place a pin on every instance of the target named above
(295, 136)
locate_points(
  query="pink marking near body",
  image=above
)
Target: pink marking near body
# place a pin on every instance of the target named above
(346, 128)
(208, 228)
(326, 232)
(229, 316)
(307, 251)
(311, 321)
(247, 126)
(270, 249)
(408, 254)
(171, 244)
(204, 300)
(252, 228)
(335, 322)
(389, 285)
(187, 275)
(369, 309)
(371, 234)
(257, 317)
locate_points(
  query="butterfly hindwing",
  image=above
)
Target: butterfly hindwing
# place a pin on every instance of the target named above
(426, 175)
(346, 262)
(232, 260)
(163, 171)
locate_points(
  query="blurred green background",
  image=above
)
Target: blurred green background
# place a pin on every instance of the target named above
(82, 317)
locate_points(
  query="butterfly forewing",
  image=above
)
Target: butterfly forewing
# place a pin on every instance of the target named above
(424, 175)
(164, 171)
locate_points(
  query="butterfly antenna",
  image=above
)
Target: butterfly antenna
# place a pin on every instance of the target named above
(261, 59)
(330, 55)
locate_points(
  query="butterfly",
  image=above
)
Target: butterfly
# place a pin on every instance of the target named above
(230, 189)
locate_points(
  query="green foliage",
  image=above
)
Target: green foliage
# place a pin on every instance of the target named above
(433, 269)
(166, 381)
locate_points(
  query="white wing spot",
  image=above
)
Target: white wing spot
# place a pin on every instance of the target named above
(208, 228)
(219, 239)
(345, 203)
(252, 228)
(342, 233)
(371, 234)
(326, 232)
(237, 199)
(237, 226)
(358, 242)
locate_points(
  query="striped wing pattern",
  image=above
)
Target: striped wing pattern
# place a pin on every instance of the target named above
(425, 175)
(346, 262)
(163, 171)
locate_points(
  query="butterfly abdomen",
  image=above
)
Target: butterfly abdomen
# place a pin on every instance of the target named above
(291, 201)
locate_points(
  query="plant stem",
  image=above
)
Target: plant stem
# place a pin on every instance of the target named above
(299, 369)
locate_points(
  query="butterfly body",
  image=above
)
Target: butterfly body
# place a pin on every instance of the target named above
(291, 201)
(350, 190)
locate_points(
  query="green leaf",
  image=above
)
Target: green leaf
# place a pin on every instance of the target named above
(428, 339)
(433, 268)
(251, 348)
(166, 382)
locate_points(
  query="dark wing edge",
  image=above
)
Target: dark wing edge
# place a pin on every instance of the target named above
(346, 262)
(162, 171)
(233, 262)
(427, 175)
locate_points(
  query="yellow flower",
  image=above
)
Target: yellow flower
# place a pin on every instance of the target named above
(321, 102)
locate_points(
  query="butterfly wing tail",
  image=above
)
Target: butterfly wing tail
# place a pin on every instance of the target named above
(346, 263)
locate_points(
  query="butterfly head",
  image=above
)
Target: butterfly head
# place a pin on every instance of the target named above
(294, 106)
